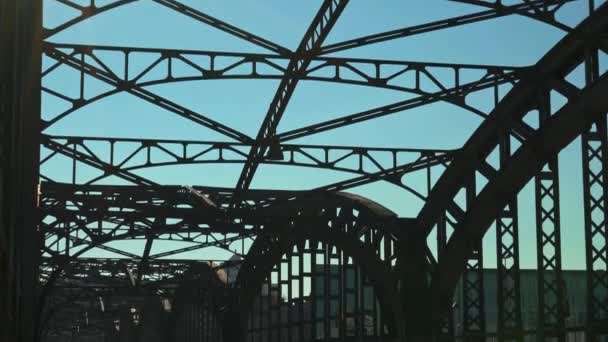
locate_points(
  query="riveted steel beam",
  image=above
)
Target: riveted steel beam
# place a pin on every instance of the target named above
(318, 30)
(498, 10)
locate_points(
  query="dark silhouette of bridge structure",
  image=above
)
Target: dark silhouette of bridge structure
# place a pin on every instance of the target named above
(308, 265)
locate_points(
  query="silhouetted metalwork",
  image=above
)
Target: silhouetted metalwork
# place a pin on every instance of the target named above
(548, 252)
(594, 152)
(20, 60)
(557, 127)
(507, 263)
(313, 264)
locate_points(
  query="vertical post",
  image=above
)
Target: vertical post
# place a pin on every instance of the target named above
(20, 64)
(594, 144)
(548, 244)
(414, 282)
(446, 330)
(595, 155)
(509, 323)
(472, 283)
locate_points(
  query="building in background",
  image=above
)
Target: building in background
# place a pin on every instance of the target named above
(575, 306)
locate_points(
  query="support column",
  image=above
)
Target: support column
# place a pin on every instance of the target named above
(550, 325)
(20, 63)
(415, 287)
(509, 324)
(594, 144)
(472, 284)
(595, 181)
(446, 330)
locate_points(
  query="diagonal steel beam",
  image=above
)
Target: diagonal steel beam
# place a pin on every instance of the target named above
(313, 38)
(107, 248)
(78, 240)
(96, 163)
(224, 26)
(214, 243)
(452, 95)
(120, 85)
(94, 9)
(499, 11)
(142, 268)
(392, 175)
(144, 153)
(85, 13)
(371, 72)
(543, 11)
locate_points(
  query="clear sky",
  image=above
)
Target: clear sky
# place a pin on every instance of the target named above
(242, 104)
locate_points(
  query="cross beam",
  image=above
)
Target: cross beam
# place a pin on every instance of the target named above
(313, 38)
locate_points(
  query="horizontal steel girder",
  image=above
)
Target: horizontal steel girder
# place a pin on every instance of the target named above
(371, 163)
(431, 81)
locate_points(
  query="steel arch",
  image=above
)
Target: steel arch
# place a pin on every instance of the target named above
(271, 204)
(583, 107)
(351, 237)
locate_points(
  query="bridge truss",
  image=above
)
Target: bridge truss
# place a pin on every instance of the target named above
(315, 264)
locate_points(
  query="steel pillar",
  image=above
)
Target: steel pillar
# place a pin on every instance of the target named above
(415, 287)
(446, 330)
(509, 323)
(595, 185)
(20, 58)
(594, 143)
(472, 284)
(550, 322)
(595, 153)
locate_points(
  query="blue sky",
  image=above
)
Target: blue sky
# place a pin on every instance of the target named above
(510, 41)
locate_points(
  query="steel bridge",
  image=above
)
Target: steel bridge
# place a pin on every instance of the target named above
(307, 265)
